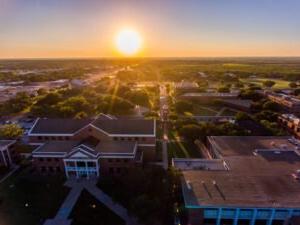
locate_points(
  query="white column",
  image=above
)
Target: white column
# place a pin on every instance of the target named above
(218, 222)
(236, 217)
(87, 171)
(270, 220)
(66, 171)
(77, 176)
(3, 156)
(97, 167)
(252, 222)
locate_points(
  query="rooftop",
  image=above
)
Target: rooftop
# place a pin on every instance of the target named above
(5, 143)
(259, 175)
(110, 126)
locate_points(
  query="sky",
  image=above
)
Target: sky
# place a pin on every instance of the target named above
(169, 28)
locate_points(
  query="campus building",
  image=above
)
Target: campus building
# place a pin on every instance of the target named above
(8, 155)
(291, 122)
(287, 102)
(206, 97)
(92, 147)
(247, 181)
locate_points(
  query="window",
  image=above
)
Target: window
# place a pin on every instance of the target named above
(110, 160)
(40, 138)
(53, 138)
(122, 139)
(118, 170)
(67, 138)
(91, 164)
(50, 168)
(58, 169)
(49, 159)
(56, 159)
(136, 138)
(144, 139)
(115, 138)
(43, 169)
(117, 160)
(60, 138)
(129, 139)
(46, 138)
(111, 170)
(41, 159)
(125, 160)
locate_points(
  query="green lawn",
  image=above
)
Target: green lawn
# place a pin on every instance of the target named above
(182, 149)
(29, 199)
(89, 211)
(259, 81)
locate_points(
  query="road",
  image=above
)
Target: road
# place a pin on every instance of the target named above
(163, 117)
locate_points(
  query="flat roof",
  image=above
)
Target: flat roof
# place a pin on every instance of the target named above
(259, 175)
(239, 102)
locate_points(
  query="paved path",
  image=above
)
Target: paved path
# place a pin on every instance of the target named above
(62, 216)
(109, 203)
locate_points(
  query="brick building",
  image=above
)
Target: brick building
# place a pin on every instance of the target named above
(92, 147)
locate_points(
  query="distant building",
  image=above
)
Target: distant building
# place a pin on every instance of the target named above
(209, 97)
(186, 86)
(291, 122)
(240, 104)
(92, 147)
(249, 180)
(8, 154)
(287, 102)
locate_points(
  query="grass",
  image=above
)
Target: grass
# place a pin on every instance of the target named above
(43, 194)
(259, 81)
(183, 149)
(89, 211)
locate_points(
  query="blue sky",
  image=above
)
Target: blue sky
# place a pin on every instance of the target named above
(86, 28)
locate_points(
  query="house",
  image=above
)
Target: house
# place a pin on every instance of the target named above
(289, 103)
(92, 147)
(8, 155)
(291, 122)
(248, 180)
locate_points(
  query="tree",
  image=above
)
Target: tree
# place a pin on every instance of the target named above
(224, 89)
(269, 83)
(11, 131)
(183, 106)
(242, 116)
(272, 106)
(293, 84)
(190, 131)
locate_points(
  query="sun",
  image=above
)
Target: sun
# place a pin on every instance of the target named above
(128, 42)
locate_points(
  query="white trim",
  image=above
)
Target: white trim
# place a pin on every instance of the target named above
(48, 156)
(82, 150)
(8, 145)
(3, 156)
(35, 122)
(73, 160)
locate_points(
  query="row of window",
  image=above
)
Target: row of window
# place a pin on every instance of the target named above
(129, 138)
(48, 159)
(50, 169)
(118, 160)
(117, 170)
(54, 138)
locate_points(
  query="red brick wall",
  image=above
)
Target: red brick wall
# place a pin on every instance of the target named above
(53, 163)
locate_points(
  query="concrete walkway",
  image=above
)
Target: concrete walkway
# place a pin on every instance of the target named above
(62, 216)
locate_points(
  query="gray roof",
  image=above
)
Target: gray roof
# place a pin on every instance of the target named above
(59, 126)
(259, 175)
(126, 126)
(111, 126)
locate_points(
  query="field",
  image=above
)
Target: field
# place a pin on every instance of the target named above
(29, 199)
(280, 84)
